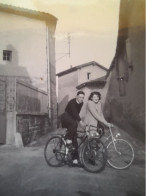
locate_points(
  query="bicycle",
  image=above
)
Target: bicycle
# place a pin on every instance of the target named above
(92, 152)
(120, 152)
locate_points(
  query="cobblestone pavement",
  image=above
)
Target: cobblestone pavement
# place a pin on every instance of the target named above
(24, 172)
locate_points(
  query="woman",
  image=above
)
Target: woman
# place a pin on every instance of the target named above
(94, 111)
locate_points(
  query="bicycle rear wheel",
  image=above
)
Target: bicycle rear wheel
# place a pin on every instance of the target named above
(94, 155)
(54, 151)
(122, 156)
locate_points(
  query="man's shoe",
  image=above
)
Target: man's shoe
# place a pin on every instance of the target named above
(75, 161)
(68, 141)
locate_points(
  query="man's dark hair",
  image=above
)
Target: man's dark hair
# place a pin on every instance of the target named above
(94, 93)
(80, 92)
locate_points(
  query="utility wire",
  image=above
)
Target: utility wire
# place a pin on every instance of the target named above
(61, 57)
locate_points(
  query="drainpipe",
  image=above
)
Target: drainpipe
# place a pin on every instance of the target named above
(48, 74)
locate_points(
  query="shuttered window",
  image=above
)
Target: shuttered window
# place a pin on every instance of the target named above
(7, 55)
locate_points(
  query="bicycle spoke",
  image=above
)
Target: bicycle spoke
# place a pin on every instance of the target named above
(55, 151)
(94, 154)
(122, 156)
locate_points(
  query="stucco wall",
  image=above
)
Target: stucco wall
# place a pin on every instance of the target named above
(26, 37)
(31, 40)
(96, 72)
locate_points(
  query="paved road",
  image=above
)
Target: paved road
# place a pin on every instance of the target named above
(24, 172)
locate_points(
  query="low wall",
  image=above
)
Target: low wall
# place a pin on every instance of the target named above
(31, 127)
(32, 112)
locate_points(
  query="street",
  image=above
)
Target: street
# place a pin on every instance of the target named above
(23, 171)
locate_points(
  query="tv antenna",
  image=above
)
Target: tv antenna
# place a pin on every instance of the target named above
(68, 39)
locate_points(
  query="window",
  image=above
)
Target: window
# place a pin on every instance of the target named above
(88, 75)
(7, 55)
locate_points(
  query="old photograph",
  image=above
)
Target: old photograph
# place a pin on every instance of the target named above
(72, 98)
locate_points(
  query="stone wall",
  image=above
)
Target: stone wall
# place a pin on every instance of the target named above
(31, 127)
(32, 114)
(125, 101)
(23, 112)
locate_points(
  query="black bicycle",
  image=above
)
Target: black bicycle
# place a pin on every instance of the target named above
(92, 152)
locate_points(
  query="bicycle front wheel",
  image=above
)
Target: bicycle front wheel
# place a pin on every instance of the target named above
(94, 155)
(120, 154)
(54, 151)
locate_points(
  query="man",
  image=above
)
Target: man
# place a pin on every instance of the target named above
(70, 120)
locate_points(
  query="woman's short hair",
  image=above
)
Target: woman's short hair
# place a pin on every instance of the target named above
(94, 93)
(80, 92)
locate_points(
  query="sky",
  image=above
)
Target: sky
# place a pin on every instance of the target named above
(91, 24)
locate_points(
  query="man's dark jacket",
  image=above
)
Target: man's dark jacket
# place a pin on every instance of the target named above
(73, 109)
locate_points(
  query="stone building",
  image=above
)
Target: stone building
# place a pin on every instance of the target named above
(125, 101)
(27, 72)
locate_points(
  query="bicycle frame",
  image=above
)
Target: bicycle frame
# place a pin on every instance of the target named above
(110, 151)
(57, 152)
(83, 138)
